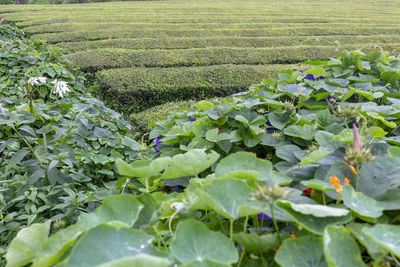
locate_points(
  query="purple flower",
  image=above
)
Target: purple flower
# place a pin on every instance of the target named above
(264, 217)
(157, 144)
(192, 119)
(309, 77)
(301, 71)
(76, 80)
(69, 71)
(269, 126)
(332, 100)
(356, 138)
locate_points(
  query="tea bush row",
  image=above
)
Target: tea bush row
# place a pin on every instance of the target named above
(136, 89)
(240, 42)
(115, 33)
(95, 60)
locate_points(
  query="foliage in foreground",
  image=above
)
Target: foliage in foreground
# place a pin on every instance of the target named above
(302, 171)
(56, 154)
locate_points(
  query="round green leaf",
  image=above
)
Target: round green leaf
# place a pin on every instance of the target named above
(141, 260)
(386, 236)
(314, 156)
(194, 241)
(340, 247)
(106, 243)
(304, 251)
(361, 204)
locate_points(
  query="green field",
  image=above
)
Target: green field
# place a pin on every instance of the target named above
(152, 52)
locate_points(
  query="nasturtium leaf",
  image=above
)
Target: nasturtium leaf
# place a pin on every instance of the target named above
(305, 251)
(212, 135)
(231, 205)
(318, 185)
(311, 223)
(363, 78)
(56, 245)
(315, 209)
(194, 241)
(379, 176)
(204, 105)
(317, 71)
(121, 208)
(255, 243)
(314, 156)
(295, 89)
(28, 242)
(361, 204)
(376, 132)
(340, 247)
(374, 250)
(306, 131)
(391, 200)
(140, 260)
(244, 161)
(346, 136)
(376, 116)
(324, 118)
(326, 141)
(205, 263)
(287, 152)
(191, 163)
(279, 120)
(386, 236)
(394, 152)
(106, 243)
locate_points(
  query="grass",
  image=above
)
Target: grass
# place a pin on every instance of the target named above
(144, 54)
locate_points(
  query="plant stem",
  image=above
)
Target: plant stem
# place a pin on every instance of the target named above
(170, 223)
(256, 223)
(323, 198)
(275, 223)
(358, 178)
(241, 257)
(245, 224)
(231, 228)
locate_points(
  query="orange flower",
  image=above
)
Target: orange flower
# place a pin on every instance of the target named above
(346, 181)
(353, 169)
(336, 182)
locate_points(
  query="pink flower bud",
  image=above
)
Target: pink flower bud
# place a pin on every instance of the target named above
(356, 138)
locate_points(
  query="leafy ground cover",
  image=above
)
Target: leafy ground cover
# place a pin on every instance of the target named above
(147, 35)
(298, 171)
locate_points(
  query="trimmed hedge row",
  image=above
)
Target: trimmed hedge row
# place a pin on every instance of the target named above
(84, 26)
(23, 21)
(133, 90)
(95, 60)
(204, 42)
(105, 34)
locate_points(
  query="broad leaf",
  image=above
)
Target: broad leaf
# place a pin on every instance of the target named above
(106, 243)
(386, 236)
(194, 241)
(306, 251)
(361, 204)
(257, 243)
(140, 260)
(340, 247)
(27, 243)
(314, 156)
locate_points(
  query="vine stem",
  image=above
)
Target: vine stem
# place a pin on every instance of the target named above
(275, 223)
(231, 228)
(170, 223)
(358, 178)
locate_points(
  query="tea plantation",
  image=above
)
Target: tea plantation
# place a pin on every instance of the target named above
(287, 152)
(152, 52)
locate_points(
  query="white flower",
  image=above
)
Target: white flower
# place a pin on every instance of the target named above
(60, 88)
(177, 206)
(36, 80)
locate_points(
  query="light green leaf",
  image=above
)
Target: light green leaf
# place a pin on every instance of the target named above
(24, 247)
(376, 132)
(304, 251)
(374, 250)
(361, 204)
(190, 164)
(244, 161)
(212, 135)
(378, 117)
(204, 105)
(318, 185)
(309, 222)
(318, 71)
(314, 156)
(386, 236)
(257, 243)
(316, 210)
(56, 246)
(394, 152)
(140, 260)
(194, 241)
(340, 248)
(122, 208)
(306, 131)
(105, 243)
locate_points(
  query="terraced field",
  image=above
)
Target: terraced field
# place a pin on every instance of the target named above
(148, 53)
